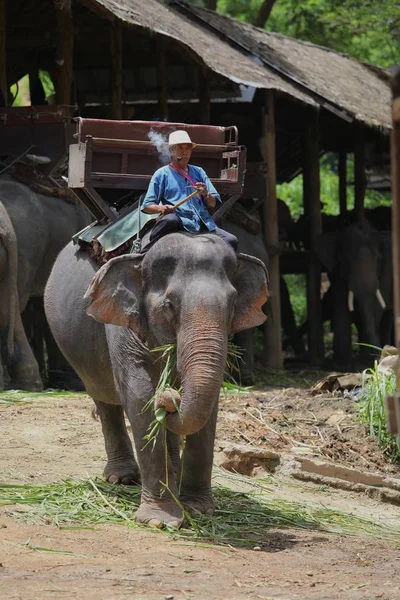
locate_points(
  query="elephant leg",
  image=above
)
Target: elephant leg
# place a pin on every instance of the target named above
(244, 339)
(60, 374)
(341, 325)
(121, 465)
(197, 462)
(24, 371)
(158, 506)
(33, 325)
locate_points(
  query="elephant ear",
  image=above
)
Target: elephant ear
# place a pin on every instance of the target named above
(251, 283)
(325, 248)
(115, 293)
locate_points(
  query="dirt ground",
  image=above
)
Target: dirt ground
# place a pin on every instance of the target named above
(55, 437)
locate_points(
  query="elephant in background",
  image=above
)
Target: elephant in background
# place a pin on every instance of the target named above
(192, 290)
(355, 265)
(253, 244)
(17, 360)
(42, 226)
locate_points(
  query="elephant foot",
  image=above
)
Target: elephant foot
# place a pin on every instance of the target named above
(203, 504)
(160, 514)
(122, 473)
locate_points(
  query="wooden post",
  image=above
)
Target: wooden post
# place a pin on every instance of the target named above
(272, 327)
(393, 402)
(65, 53)
(116, 69)
(359, 172)
(3, 57)
(312, 201)
(343, 182)
(162, 75)
(395, 160)
(204, 95)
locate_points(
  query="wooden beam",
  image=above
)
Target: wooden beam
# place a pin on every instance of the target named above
(312, 201)
(393, 402)
(3, 57)
(272, 327)
(65, 53)
(116, 69)
(162, 75)
(343, 182)
(359, 172)
(395, 168)
(204, 95)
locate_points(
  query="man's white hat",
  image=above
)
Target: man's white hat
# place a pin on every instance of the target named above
(179, 137)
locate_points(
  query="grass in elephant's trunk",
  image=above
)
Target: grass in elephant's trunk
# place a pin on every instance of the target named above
(167, 395)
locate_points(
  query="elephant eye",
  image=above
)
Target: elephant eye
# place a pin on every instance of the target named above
(168, 309)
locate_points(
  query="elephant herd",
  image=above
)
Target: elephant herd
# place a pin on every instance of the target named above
(34, 228)
(192, 291)
(357, 256)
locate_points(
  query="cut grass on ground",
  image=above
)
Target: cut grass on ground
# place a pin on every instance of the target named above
(241, 518)
(24, 397)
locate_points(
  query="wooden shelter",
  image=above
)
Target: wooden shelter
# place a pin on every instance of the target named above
(153, 61)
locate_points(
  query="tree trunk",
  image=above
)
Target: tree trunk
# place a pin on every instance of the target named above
(263, 13)
(211, 4)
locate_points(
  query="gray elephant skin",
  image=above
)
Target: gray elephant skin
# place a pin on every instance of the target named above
(34, 229)
(192, 290)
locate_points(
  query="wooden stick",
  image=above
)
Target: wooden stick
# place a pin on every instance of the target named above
(178, 204)
(192, 195)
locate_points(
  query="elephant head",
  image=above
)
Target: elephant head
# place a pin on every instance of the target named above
(191, 290)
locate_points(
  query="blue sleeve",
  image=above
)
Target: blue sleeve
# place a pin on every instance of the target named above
(211, 189)
(155, 191)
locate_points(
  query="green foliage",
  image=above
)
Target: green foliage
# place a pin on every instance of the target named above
(372, 410)
(292, 192)
(297, 290)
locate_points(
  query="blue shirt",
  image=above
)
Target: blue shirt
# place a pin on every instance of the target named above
(167, 186)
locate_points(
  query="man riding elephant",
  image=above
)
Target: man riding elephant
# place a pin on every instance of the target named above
(170, 184)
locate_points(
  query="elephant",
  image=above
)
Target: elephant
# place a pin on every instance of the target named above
(191, 290)
(354, 261)
(42, 226)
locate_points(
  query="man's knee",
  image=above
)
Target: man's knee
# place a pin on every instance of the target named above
(229, 238)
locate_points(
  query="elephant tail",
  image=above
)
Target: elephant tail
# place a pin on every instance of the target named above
(9, 239)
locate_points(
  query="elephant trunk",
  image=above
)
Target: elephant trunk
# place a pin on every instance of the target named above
(201, 365)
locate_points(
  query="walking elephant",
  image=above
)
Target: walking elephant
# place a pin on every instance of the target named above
(192, 290)
(41, 227)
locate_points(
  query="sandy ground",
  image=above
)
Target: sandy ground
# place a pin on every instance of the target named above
(53, 438)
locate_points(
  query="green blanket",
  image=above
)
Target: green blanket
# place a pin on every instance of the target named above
(118, 232)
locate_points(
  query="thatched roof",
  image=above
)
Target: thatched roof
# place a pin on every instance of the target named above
(207, 46)
(361, 91)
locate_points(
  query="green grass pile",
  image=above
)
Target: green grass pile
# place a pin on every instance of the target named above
(23, 397)
(376, 387)
(241, 518)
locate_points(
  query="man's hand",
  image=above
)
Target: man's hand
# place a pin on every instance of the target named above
(165, 209)
(159, 209)
(201, 188)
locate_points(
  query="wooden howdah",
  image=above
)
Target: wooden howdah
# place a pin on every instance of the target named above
(123, 155)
